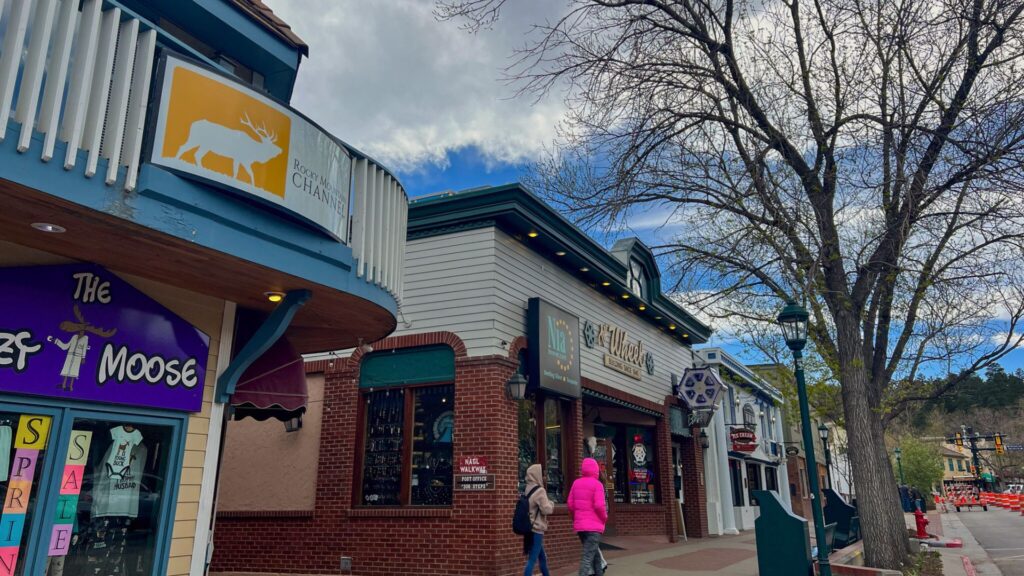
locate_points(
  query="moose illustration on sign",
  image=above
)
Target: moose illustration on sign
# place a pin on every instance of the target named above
(77, 346)
(238, 145)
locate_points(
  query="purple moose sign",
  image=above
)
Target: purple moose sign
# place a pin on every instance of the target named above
(79, 332)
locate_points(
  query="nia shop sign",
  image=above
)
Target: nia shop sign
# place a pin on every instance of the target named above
(554, 360)
(79, 332)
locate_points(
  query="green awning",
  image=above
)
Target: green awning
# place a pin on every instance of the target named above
(988, 477)
(422, 365)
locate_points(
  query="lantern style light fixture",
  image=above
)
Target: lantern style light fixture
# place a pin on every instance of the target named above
(516, 387)
(705, 442)
(793, 321)
(823, 432)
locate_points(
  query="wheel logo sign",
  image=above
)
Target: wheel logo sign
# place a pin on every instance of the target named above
(700, 388)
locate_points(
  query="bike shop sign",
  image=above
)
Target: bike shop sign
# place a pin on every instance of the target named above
(79, 332)
(215, 129)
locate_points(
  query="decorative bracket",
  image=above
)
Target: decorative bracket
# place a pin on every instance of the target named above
(271, 329)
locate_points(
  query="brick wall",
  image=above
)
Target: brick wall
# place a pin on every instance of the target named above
(694, 490)
(801, 503)
(472, 538)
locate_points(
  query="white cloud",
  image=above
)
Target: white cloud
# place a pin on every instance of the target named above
(391, 80)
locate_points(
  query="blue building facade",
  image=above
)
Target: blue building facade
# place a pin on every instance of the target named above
(173, 236)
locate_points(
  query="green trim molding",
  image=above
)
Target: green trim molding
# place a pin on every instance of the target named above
(518, 212)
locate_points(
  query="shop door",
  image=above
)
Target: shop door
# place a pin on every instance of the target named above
(677, 470)
(85, 492)
(604, 453)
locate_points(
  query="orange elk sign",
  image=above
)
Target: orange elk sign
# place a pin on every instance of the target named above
(743, 440)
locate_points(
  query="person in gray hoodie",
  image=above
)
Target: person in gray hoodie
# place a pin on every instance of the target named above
(540, 507)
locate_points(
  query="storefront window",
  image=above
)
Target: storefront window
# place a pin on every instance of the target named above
(23, 442)
(553, 443)
(634, 465)
(110, 499)
(407, 448)
(736, 477)
(527, 438)
(753, 480)
(771, 479)
(382, 460)
(543, 440)
(642, 486)
(432, 446)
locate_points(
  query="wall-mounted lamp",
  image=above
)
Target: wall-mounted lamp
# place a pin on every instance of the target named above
(364, 348)
(705, 442)
(516, 387)
(293, 424)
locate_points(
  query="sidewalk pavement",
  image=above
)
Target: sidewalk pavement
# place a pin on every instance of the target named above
(655, 556)
(948, 527)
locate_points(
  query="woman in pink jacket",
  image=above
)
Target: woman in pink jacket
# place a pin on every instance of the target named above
(589, 514)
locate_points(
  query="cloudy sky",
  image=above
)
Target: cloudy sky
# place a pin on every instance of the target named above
(423, 97)
(428, 100)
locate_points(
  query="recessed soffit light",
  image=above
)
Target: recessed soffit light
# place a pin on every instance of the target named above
(49, 228)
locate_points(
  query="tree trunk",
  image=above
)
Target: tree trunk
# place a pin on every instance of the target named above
(881, 516)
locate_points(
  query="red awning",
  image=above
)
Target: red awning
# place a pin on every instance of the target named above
(274, 386)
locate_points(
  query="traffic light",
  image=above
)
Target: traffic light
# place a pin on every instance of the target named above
(960, 442)
(999, 444)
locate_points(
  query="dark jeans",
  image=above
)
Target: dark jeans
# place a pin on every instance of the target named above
(537, 553)
(591, 561)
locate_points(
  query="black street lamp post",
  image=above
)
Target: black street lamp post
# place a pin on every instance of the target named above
(823, 434)
(899, 462)
(793, 321)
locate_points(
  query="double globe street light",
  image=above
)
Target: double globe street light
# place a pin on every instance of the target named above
(793, 321)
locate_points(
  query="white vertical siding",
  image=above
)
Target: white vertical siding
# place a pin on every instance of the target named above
(476, 283)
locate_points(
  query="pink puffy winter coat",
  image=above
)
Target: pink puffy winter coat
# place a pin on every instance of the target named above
(586, 500)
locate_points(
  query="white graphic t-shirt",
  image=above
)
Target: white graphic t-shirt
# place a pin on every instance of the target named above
(123, 444)
(118, 477)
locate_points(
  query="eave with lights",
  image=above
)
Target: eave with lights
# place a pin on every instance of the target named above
(515, 210)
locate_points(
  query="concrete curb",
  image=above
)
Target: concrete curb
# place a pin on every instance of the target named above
(968, 566)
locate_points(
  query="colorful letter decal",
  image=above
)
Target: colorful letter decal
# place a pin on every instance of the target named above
(70, 488)
(8, 560)
(31, 438)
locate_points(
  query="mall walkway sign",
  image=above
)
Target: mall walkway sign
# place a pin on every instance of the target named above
(215, 129)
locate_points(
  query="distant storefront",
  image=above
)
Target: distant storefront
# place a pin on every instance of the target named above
(423, 442)
(748, 446)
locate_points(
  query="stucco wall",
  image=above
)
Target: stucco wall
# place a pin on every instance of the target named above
(266, 447)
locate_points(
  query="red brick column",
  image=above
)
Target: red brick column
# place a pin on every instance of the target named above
(695, 512)
(666, 475)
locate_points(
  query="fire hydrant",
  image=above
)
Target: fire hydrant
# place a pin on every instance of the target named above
(922, 522)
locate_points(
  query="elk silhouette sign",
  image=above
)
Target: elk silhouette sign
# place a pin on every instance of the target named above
(244, 149)
(223, 133)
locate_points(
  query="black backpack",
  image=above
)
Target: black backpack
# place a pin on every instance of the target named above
(521, 523)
